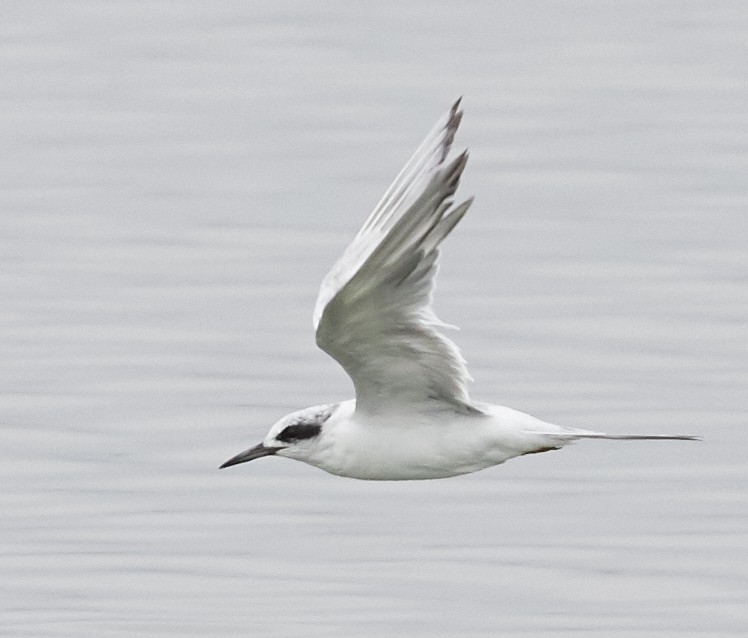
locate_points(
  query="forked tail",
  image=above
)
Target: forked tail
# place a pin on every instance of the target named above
(571, 434)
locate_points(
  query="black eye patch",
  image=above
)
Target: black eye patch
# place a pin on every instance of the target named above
(298, 432)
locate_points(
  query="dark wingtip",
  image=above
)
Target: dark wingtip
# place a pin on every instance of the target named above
(453, 123)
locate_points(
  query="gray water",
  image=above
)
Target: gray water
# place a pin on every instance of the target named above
(177, 177)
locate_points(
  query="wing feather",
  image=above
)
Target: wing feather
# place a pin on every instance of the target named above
(374, 314)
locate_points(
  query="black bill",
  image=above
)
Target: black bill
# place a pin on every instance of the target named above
(250, 455)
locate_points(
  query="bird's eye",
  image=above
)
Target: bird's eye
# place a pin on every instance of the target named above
(298, 432)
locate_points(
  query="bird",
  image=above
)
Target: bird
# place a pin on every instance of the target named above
(412, 417)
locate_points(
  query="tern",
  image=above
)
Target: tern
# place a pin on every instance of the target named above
(412, 417)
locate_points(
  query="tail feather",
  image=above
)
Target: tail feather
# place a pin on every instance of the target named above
(573, 435)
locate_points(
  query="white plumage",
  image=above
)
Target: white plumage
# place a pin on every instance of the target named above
(412, 417)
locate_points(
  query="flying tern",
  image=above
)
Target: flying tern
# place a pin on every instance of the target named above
(412, 417)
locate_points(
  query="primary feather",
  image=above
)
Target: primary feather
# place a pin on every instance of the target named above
(373, 314)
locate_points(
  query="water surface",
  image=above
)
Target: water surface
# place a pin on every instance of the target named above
(177, 178)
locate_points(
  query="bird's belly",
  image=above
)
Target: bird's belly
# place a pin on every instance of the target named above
(408, 469)
(401, 454)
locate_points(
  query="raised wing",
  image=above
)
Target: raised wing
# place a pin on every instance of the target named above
(373, 314)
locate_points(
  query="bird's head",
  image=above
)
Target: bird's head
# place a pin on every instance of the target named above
(296, 436)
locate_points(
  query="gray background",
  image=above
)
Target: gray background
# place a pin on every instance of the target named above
(175, 180)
